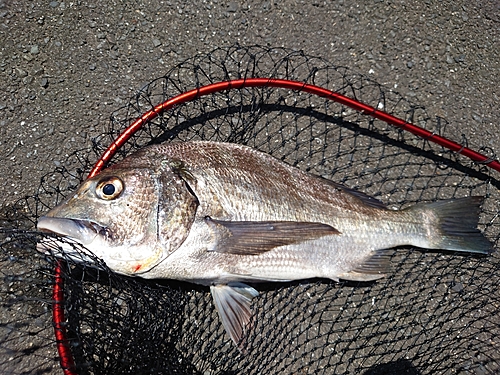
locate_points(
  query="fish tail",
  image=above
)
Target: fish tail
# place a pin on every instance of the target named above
(456, 222)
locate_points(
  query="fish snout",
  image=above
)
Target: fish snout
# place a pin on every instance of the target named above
(83, 231)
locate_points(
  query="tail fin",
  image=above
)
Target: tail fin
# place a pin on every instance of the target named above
(457, 221)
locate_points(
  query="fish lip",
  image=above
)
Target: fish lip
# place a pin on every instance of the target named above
(81, 230)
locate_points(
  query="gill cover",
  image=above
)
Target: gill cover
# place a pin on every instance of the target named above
(177, 205)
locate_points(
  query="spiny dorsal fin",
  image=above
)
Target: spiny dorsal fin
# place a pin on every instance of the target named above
(256, 237)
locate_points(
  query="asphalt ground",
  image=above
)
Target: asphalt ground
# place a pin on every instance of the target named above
(65, 66)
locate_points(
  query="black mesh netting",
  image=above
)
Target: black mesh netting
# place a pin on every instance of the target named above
(436, 312)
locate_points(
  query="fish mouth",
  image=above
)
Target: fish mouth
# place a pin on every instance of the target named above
(83, 231)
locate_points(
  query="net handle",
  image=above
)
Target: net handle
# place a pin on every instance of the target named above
(63, 347)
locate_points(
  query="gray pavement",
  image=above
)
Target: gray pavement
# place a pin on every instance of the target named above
(65, 66)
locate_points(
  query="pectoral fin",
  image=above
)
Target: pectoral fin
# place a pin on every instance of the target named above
(256, 237)
(233, 304)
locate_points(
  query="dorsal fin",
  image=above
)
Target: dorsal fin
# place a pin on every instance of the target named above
(367, 199)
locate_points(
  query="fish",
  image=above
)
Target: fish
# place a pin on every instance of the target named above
(226, 215)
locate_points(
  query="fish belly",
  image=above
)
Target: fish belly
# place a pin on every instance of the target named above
(327, 257)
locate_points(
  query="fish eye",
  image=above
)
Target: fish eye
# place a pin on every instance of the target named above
(110, 188)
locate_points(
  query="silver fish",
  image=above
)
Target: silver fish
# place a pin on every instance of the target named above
(222, 214)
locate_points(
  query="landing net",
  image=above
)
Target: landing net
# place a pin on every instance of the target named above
(436, 312)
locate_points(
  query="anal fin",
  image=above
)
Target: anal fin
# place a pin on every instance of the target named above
(232, 301)
(374, 267)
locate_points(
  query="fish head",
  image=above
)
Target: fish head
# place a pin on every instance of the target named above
(132, 217)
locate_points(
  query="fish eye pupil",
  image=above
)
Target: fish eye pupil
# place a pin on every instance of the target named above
(108, 189)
